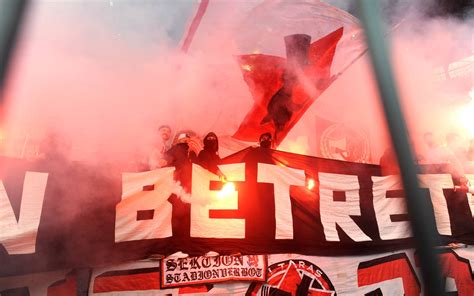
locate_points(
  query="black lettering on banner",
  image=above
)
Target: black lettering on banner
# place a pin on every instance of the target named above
(224, 272)
(183, 264)
(206, 262)
(215, 274)
(244, 271)
(256, 272)
(236, 272)
(251, 272)
(207, 274)
(230, 271)
(227, 260)
(186, 277)
(194, 263)
(217, 261)
(193, 275)
(169, 278)
(239, 260)
(200, 275)
(177, 277)
(171, 265)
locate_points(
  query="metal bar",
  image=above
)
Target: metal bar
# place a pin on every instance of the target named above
(11, 13)
(420, 209)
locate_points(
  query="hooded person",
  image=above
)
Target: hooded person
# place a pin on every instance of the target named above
(209, 158)
(265, 140)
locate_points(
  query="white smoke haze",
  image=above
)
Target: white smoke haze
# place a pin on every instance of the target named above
(105, 81)
(431, 105)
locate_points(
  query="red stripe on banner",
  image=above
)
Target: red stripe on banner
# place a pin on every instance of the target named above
(195, 289)
(127, 282)
(320, 293)
(194, 25)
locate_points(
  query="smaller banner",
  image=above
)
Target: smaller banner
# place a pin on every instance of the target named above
(177, 272)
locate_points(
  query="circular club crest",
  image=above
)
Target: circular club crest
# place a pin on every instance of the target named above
(341, 142)
(293, 277)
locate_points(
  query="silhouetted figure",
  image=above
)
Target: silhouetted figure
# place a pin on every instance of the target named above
(265, 140)
(209, 158)
(281, 106)
(181, 158)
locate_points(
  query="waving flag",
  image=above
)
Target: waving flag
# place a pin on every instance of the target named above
(283, 89)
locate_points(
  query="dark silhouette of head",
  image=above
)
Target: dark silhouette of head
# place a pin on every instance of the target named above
(211, 142)
(265, 140)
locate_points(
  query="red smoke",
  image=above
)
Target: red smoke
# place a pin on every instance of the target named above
(79, 74)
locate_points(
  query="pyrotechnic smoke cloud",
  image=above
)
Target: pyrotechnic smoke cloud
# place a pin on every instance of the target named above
(106, 74)
(105, 77)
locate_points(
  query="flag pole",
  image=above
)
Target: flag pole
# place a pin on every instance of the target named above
(420, 209)
(194, 25)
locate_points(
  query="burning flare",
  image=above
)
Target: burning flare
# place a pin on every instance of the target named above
(310, 184)
(226, 190)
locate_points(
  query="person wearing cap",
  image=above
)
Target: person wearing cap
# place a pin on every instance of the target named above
(208, 158)
(156, 158)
